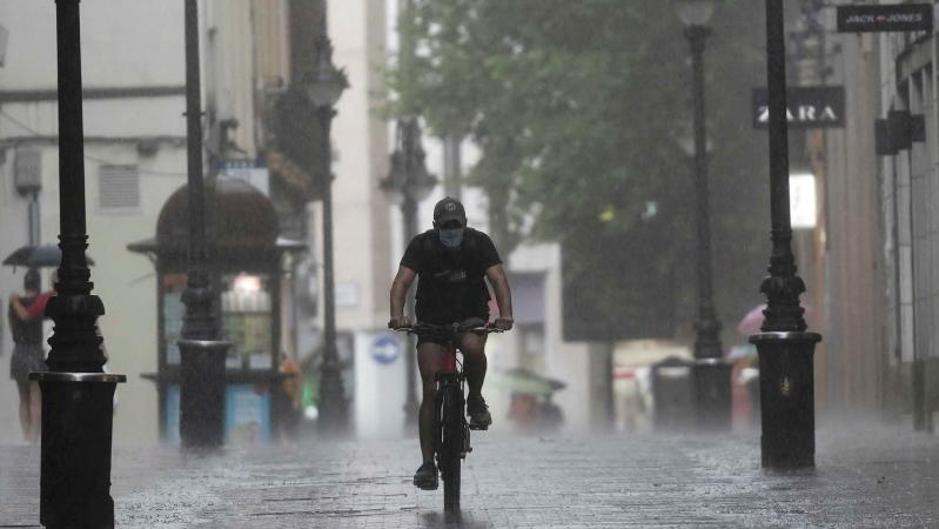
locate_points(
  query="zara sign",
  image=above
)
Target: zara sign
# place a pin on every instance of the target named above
(808, 107)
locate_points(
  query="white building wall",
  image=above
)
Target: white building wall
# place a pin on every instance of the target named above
(125, 44)
(360, 209)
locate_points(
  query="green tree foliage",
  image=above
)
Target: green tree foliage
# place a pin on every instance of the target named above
(575, 105)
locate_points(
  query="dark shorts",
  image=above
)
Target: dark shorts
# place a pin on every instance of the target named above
(26, 358)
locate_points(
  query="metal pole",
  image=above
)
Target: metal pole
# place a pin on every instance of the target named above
(711, 373)
(202, 384)
(333, 409)
(409, 213)
(787, 398)
(452, 164)
(77, 396)
(35, 226)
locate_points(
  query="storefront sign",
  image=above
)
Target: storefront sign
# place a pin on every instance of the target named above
(809, 107)
(876, 18)
(257, 176)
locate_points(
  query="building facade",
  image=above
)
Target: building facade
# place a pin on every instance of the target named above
(909, 178)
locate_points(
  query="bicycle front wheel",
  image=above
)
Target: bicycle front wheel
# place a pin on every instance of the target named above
(450, 454)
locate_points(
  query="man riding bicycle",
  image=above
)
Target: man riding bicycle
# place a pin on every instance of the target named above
(451, 261)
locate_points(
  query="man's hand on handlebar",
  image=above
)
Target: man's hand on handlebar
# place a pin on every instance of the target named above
(503, 324)
(401, 322)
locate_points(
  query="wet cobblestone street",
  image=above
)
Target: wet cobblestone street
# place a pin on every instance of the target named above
(863, 479)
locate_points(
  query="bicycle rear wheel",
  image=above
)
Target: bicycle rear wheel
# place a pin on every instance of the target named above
(449, 457)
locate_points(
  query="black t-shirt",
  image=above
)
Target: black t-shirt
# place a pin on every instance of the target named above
(451, 285)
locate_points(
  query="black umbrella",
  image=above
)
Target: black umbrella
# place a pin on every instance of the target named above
(42, 256)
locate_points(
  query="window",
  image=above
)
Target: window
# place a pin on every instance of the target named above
(118, 187)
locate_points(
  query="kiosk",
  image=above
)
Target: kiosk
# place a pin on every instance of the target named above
(246, 263)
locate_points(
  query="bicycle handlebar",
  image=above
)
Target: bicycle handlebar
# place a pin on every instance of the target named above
(453, 327)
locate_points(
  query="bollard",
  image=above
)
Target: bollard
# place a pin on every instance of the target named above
(202, 393)
(75, 478)
(787, 398)
(711, 394)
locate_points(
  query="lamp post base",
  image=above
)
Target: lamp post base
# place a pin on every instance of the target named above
(75, 474)
(202, 393)
(712, 395)
(334, 417)
(787, 398)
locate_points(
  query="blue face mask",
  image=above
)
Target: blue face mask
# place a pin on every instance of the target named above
(451, 238)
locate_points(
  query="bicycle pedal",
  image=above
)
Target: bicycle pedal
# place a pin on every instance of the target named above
(478, 426)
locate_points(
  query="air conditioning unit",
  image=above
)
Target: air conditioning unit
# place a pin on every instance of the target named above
(27, 171)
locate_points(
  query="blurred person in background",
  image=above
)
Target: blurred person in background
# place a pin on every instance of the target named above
(25, 316)
(452, 262)
(291, 391)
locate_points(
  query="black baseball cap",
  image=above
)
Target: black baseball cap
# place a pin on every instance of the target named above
(449, 209)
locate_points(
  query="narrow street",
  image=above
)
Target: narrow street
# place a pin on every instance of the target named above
(865, 478)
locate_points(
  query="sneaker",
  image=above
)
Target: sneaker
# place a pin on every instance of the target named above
(426, 477)
(478, 412)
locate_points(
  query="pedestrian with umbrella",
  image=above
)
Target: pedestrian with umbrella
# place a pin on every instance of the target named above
(25, 315)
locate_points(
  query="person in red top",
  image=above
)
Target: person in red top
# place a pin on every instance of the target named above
(25, 315)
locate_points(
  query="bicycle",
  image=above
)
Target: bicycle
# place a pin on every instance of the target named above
(451, 429)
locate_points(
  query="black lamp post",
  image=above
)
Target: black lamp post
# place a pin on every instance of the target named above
(787, 385)
(711, 374)
(77, 396)
(324, 87)
(202, 366)
(409, 182)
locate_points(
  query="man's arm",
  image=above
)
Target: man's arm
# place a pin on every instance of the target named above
(399, 292)
(500, 286)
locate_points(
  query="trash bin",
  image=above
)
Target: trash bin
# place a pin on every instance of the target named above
(672, 394)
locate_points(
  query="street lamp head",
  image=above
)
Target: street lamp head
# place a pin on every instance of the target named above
(394, 183)
(408, 176)
(326, 83)
(694, 12)
(422, 182)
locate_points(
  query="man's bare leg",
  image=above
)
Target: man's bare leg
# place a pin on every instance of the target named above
(474, 366)
(430, 360)
(475, 363)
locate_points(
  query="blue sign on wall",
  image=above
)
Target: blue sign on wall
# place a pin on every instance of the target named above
(386, 349)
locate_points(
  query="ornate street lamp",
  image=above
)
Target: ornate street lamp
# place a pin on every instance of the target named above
(787, 376)
(324, 86)
(409, 183)
(77, 396)
(711, 374)
(202, 365)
